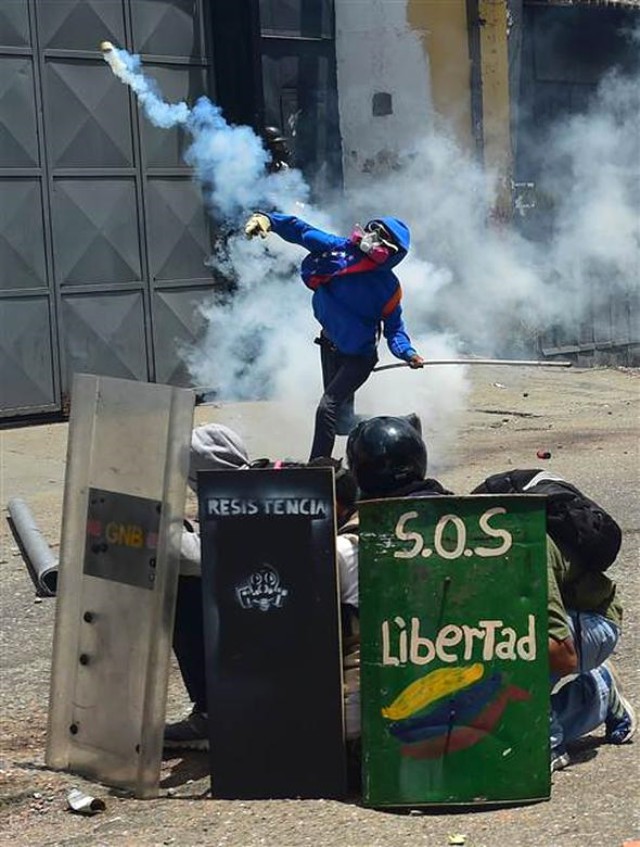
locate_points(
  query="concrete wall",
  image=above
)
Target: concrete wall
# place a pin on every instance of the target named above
(401, 65)
(496, 109)
(443, 29)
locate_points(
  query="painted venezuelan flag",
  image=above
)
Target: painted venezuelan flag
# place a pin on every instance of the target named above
(472, 710)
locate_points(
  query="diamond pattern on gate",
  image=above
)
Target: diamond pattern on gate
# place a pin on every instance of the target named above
(167, 28)
(18, 136)
(88, 116)
(105, 334)
(80, 24)
(14, 24)
(22, 263)
(96, 231)
(25, 366)
(180, 236)
(178, 325)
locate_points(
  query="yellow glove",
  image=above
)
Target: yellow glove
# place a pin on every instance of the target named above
(258, 224)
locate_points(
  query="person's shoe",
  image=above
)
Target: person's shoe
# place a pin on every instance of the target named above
(559, 759)
(621, 722)
(191, 733)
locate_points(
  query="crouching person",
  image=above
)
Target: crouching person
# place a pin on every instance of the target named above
(584, 628)
(217, 447)
(213, 447)
(389, 459)
(584, 614)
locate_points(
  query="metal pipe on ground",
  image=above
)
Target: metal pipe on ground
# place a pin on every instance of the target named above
(38, 556)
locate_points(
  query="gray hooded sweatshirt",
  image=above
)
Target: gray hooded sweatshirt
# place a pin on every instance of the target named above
(214, 447)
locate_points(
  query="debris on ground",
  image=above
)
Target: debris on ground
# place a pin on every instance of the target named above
(84, 804)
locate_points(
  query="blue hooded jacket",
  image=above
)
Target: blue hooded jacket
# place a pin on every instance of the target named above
(352, 295)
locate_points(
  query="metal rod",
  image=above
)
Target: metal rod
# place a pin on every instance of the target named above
(202, 393)
(41, 562)
(529, 363)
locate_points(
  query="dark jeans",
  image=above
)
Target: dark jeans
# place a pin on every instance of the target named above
(342, 375)
(188, 639)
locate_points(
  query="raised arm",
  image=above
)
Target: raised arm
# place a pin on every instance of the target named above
(300, 232)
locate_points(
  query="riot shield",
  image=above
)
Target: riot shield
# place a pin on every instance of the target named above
(127, 465)
(272, 633)
(455, 674)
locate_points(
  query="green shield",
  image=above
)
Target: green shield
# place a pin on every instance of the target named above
(455, 673)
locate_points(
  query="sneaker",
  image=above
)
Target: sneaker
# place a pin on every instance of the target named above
(559, 760)
(621, 722)
(191, 733)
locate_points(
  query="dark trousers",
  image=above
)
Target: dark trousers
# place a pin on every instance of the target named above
(188, 639)
(342, 375)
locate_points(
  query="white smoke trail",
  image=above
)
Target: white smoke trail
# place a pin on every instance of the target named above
(228, 161)
(258, 337)
(128, 69)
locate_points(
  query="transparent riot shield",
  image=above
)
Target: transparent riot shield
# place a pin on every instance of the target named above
(127, 464)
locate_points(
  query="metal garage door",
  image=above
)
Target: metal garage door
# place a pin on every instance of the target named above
(299, 84)
(566, 51)
(102, 232)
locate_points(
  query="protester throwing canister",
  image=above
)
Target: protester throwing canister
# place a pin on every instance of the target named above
(356, 295)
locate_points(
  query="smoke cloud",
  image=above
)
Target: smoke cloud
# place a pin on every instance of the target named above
(228, 161)
(470, 287)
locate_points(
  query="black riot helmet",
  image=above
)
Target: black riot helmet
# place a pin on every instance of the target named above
(386, 453)
(276, 143)
(273, 135)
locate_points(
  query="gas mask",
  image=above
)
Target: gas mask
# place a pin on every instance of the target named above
(374, 242)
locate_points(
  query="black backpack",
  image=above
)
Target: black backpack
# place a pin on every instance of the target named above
(583, 531)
